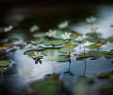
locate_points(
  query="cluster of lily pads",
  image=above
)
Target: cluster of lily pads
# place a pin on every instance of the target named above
(60, 42)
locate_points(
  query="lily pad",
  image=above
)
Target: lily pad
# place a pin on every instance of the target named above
(84, 80)
(63, 50)
(30, 53)
(93, 55)
(83, 56)
(106, 75)
(93, 34)
(75, 35)
(62, 58)
(54, 42)
(110, 39)
(95, 46)
(47, 52)
(4, 63)
(111, 52)
(95, 40)
(47, 87)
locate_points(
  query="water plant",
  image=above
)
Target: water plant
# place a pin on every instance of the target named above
(63, 25)
(37, 57)
(9, 28)
(34, 28)
(67, 36)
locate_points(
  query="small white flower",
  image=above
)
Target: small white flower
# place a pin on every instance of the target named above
(34, 28)
(79, 38)
(9, 28)
(51, 33)
(63, 24)
(37, 54)
(90, 19)
(66, 36)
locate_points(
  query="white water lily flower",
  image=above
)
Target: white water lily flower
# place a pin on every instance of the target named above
(51, 33)
(9, 28)
(34, 28)
(90, 19)
(66, 36)
(63, 24)
(79, 38)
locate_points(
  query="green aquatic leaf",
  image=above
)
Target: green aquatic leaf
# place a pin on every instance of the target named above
(69, 46)
(94, 34)
(47, 87)
(95, 46)
(62, 58)
(74, 35)
(4, 63)
(84, 80)
(105, 75)
(55, 42)
(94, 55)
(111, 51)
(110, 39)
(47, 52)
(30, 53)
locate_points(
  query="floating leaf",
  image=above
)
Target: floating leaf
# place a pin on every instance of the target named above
(69, 45)
(75, 35)
(106, 75)
(47, 52)
(62, 58)
(95, 46)
(93, 34)
(30, 53)
(85, 80)
(53, 42)
(110, 39)
(47, 87)
(4, 63)
(111, 51)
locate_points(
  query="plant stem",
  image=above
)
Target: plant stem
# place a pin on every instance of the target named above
(84, 60)
(85, 67)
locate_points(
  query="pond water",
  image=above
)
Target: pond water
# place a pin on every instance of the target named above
(27, 71)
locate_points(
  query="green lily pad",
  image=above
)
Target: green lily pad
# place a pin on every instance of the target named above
(47, 87)
(38, 41)
(111, 51)
(47, 52)
(92, 46)
(63, 50)
(106, 75)
(110, 39)
(55, 42)
(62, 58)
(93, 34)
(4, 63)
(83, 56)
(74, 35)
(84, 80)
(99, 40)
(30, 53)
(93, 55)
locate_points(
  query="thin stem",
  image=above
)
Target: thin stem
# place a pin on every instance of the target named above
(84, 61)
(85, 67)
